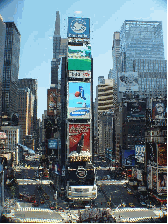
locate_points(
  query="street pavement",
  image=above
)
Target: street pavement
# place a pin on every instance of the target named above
(110, 193)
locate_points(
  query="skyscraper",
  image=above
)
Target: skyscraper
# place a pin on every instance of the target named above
(116, 48)
(59, 50)
(141, 68)
(2, 46)
(32, 85)
(10, 69)
(140, 40)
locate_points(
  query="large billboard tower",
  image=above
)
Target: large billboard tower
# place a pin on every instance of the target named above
(79, 90)
(80, 178)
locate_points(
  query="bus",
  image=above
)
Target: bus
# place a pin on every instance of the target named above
(81, 184)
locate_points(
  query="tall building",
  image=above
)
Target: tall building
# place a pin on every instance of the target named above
(32, 85)
(25, 112)
(10, 69)
(105, 105)
(13, 138)
(2, 46)
(116, 49)
(140, 40)
(59, 50)
(141, 69)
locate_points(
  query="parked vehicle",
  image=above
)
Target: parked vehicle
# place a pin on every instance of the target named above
(131, 205)
(35, 204)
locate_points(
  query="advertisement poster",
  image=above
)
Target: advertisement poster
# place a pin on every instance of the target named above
(129, 158)
(162, 180)
(79, 74)
(78, 27)
(140, 153)
(52, 143)
(154, 178)
(139, 175)
(151, 153)
(162, 154)
(136, 109)
(79, 100)
(79, 57)
(128, 81)
(79, 138)
(159, 109)
(149, 177)
(51, 101)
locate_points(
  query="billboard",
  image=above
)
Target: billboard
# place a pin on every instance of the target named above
(139, 175)
(162, 154)
(79, 57)
(52, 143)
(159, 109)
(128, 81)
(129, 158)
(78, 27)
(151, 154)
(79, 74)
(149, 177)
(51, 101)
(140, 153)
(154, 178)
(162, 180)
(79, 100)
(79, 138)
(136, 109)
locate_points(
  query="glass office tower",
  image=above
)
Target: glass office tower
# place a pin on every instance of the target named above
(140, 40)
(10, 69)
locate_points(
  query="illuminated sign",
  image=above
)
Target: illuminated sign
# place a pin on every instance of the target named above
(51, 101)
(80, 64)
(79, 74)
(79, 138)
(159, 109)
(140, 153)
(162, 180)
(149, 177)
(81, 173)
(79, 57)
(79, 100)
(52, 144)
(129, 158)
(78, 27)
(162, 154)
(128, 81)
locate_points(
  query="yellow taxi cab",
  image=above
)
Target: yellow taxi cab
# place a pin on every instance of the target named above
(131, 205)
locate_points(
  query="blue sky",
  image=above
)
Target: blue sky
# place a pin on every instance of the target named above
(35, 20)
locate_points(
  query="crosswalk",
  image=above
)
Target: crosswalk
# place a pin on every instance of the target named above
(130, 209)
(33, 209)
(31, 220)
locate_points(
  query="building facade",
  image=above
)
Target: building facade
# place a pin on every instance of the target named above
(140, 40)
(32, 85)
(10, 69)
(2, 46)
(13, 139)
(25, 112)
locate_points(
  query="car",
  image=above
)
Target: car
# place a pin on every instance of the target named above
(35, 204)
(131, 205)
(143, 203)
(42, 201)
(53, 206)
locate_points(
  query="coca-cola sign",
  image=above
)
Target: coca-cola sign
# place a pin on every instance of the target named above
(81, 173)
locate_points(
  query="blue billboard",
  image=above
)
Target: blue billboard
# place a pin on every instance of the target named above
(129, 158)
(79, 100)
(52, 144)
(78, 27)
